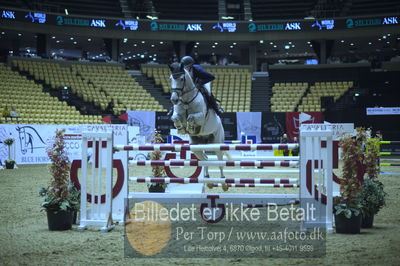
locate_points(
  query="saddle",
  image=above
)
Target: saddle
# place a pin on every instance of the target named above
(210, 100)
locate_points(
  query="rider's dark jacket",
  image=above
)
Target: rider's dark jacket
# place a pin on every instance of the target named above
(200, 76)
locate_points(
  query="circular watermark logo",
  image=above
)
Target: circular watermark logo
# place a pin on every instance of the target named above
(149, 229)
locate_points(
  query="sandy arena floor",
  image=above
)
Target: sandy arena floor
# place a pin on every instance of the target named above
(25, 239)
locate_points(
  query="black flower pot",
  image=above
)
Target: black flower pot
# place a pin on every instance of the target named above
(60, 220)
(157, 188)
(345, 225)
(74, 216)
(9, 165)
(367, 221)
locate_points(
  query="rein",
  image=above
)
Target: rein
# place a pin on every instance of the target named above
(184, 92)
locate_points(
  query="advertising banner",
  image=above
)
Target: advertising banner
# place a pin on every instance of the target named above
(295, 119)
(249, 124)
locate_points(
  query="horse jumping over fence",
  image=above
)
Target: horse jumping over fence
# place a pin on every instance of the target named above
(192, 116)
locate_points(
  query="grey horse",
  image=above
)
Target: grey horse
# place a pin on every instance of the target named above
(192, 116)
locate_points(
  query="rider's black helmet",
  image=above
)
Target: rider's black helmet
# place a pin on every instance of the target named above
(187, 61)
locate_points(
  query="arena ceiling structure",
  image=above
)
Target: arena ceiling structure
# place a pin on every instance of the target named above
(240, 31)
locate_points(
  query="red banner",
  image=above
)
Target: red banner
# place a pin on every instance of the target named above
(295, 119)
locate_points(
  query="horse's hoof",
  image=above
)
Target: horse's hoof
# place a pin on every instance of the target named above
(225, 187)
(210, 186)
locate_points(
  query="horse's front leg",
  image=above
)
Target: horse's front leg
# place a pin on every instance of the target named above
(178, 123)
(194, 122)
(221, 170)
(201, 155)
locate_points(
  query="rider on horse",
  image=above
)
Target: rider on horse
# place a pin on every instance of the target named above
(201, 77)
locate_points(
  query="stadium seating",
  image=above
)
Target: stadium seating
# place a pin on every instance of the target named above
(187, 10)
(35, 106)
(281, 9)
(365, 7)
(58, 76)
(286, 96)
(312, 101)
(124, 91)
(232, 86)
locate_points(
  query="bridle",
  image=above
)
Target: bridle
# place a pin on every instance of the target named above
(180, 91)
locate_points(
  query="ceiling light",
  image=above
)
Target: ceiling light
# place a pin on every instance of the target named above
(370, 43)
(121, 54)
(53, 37)
(388, 34)
(213, 46)
(135, 45)
(58, 41)
(3, 33)
(388, 42)
(195, 46)
(161, 42)
(75, 42)
(351, 44)
(216, 43)
(384, 36)
(72, 38)
(261, 41)
(342, 41)
(143, 42)
(275, 46)
(89, 40)
(293, 45)
(271, 43)
(308, 42)
(197, 43)
(379, 39)
(234, 43)
(19, 34)
(125, 40)
(231, 46)
(290, 42)
(152, 45)
(287, 47)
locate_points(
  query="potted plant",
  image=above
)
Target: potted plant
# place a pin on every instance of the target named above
(373, 190)
(348, 207)
(60, 199)
(9, 162)
(158, 171)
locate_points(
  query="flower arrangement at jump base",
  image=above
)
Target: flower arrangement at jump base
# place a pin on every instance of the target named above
(157, 171)
(348, 207)
(9, 162)
(61, 198)
(373, 190)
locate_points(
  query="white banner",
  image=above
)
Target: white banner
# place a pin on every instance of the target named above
(339, 130)
(384, 111)
(31, 141)
(249, 124)
(145, 120)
